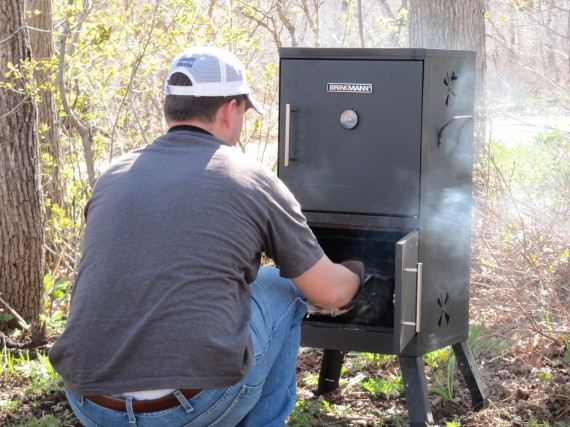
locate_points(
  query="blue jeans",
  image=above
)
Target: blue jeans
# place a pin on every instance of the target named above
(264, 397)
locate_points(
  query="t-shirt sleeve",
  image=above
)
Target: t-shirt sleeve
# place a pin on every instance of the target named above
(289, 240)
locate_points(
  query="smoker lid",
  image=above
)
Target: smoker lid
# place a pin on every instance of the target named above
(368, 53)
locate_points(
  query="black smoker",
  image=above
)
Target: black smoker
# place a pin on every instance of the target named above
(376, 145)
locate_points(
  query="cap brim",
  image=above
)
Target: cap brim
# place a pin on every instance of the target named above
(252, 103)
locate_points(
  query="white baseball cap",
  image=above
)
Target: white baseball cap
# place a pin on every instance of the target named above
(213, 72)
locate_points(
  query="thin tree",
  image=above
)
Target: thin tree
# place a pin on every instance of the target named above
(73, 121)
(40, 24)
(21, 212)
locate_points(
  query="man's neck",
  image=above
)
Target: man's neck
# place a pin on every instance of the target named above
(208, 127)
(178, 128)
(212, 128)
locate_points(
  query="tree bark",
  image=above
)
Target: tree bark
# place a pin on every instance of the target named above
(40, 23)
(41, 43)
(451, 24)
(21, 213)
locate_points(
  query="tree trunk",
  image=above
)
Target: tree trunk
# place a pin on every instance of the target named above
(21, 214)
(41, 43)
(360, 24)
(568, 44)
(67, 44)
(452, 24)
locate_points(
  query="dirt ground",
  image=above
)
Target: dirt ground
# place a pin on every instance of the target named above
(526, 387)
(528, 384)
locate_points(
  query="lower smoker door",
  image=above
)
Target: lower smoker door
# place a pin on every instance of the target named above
(407, 291)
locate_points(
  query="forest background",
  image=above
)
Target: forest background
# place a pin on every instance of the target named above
(88, 84)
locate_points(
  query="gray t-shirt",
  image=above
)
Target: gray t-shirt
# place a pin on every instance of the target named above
(173, 239)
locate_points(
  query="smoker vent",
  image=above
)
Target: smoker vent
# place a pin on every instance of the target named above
(442, 301)
(449, 82)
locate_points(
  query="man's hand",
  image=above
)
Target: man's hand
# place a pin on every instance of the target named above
(356, 266)
(315, 310)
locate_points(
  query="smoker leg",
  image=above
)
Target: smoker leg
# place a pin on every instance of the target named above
(331, 366)
(417, 400)
(470, 372)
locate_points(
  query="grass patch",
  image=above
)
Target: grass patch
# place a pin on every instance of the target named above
(389, 388)
(307, 411)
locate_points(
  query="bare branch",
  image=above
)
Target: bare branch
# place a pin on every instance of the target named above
(286, 22)
(21, 321)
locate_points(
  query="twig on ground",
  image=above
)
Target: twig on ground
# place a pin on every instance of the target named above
(21, 321)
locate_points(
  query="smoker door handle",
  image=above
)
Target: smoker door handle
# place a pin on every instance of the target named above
(457, 119)
(287, 142)
(419, 271)
(419, 297)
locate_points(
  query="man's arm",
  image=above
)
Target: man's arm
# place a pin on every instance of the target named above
(327, 284)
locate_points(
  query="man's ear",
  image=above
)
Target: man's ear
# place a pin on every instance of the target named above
(226, 111)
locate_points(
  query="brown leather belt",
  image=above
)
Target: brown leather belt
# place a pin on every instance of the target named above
(142, 406)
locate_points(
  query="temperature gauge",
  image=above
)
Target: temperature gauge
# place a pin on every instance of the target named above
(349, 119)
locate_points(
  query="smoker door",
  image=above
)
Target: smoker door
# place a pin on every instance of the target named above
(373, 168)
(407, 291)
